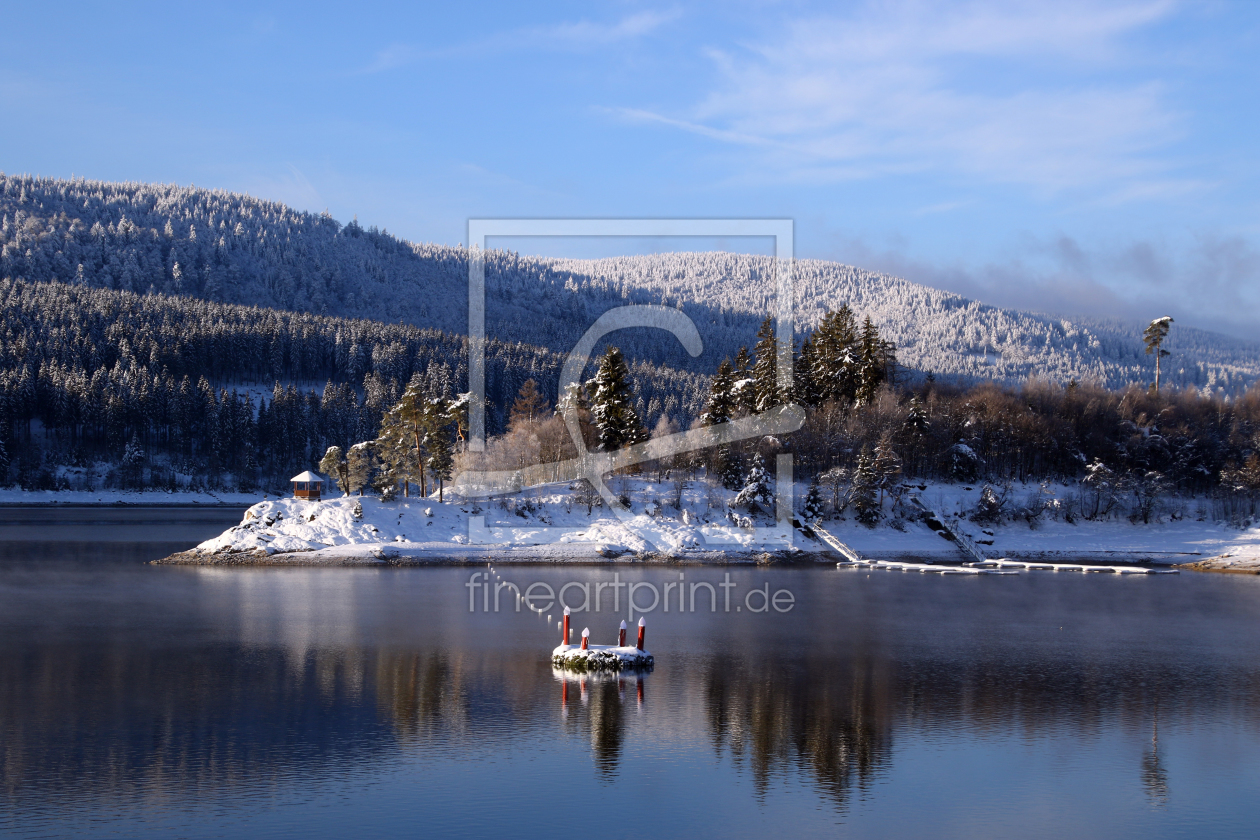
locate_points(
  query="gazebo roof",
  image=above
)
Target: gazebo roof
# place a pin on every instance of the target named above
(306, 476)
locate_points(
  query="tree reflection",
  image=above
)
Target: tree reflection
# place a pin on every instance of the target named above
(601, 712)
(833, 718)
(1154, 776)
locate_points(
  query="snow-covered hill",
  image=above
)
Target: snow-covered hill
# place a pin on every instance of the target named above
(234, 248)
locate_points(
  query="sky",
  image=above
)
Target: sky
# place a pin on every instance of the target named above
(1082, 158)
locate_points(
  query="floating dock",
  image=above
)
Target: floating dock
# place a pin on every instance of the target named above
(589, 657)
(1071, 567)
(925, 568)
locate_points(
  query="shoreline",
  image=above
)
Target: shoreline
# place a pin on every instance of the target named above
(544, 527)
(499, 554)
(580, 554)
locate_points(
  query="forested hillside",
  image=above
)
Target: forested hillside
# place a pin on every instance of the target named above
(152, 389)
(228, 247)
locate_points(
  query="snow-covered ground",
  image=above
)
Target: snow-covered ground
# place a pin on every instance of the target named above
(542, 523)
(547, 524)
(1183, 534)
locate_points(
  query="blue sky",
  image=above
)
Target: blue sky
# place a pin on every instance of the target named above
(1077, 157)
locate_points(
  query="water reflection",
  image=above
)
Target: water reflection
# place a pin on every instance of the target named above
(1154, 776)
(600, 712)
(224, 682)
(832, 718)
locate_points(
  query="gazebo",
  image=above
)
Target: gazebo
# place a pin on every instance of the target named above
(307, 485)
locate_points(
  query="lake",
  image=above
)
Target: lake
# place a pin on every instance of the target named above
(149, 701)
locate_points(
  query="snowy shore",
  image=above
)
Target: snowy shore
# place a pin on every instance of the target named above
(546, 525)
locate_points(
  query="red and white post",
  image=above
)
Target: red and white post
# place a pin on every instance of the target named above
(564, 639)
(586, 634)
(642, 626)
(621, 636)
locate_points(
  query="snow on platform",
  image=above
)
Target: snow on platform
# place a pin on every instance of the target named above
(601, 658)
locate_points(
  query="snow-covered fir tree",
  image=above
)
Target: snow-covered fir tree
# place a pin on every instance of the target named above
(721, 404)
(863, 489)
(755, 495)
(730, 468)
(612, 402)
(812, 509)
(767, 393)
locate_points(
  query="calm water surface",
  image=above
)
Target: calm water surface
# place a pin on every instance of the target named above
(142, 701)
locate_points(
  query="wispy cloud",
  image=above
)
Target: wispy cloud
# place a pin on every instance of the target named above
(570, 36)
(1133, 281)
(1008, 92)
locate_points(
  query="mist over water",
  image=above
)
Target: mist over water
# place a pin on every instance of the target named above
(161, 701)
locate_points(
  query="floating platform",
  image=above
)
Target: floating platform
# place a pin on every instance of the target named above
(588, 657)
(1085, 568)
(602, 658)
(924, 568)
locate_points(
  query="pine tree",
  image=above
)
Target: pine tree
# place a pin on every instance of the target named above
(1154, 338)
(731, 468)
(439, 420)
(812, 510)
(334, 465)
(916, 422)
(886, 466)
(743, 389)
(914, 430)
(721, 403)
(872, 364)
(835, 368)
(804, 391)
(766, 391)
(756, 487)
(4, 465)
(404, 430)
(132, 466)
(863, 489)
(573, 403)
(359, 463)
(612, 404)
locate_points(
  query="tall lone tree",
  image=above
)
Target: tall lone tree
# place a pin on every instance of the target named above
(1154, 338)
(612, 404)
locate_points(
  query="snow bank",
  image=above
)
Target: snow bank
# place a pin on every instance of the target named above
(543, 523)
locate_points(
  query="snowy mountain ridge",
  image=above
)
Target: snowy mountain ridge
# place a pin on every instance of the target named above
(234, 248)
